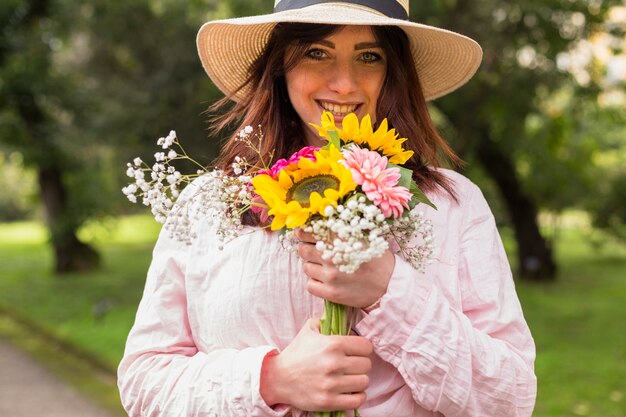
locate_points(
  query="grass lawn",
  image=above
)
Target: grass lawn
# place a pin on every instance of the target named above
(91, 311)
(579, 326)
(578, 321)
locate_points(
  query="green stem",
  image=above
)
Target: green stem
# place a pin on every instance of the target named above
(334, 321)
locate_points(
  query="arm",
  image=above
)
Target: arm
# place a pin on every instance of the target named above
(163, 373)
(469, 358)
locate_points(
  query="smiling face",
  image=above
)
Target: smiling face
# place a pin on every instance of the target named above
(342, 73)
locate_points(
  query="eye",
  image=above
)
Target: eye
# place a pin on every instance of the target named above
(371, 57)
(316, 54)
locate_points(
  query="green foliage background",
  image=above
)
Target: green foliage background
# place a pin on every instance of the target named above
(112, 76)
(102, 80)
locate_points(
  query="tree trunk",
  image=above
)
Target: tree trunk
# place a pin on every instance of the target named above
(71, 254)
(535, 258)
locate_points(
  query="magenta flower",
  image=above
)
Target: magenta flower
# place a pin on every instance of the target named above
(306, 152)
(379, 183)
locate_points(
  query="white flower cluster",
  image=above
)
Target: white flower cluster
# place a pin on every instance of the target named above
(414, 236)
(358, 232)
(219, 200)
(159, 187)
(164, 182)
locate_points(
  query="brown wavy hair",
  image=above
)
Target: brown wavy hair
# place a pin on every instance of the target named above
(267, 104)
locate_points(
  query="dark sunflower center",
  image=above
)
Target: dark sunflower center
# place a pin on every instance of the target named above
(302, 190)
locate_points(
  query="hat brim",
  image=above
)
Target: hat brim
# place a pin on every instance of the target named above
(444, 60)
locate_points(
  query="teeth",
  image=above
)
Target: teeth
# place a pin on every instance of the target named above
(339, 108)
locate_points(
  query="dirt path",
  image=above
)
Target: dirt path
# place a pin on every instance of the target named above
(28, 390)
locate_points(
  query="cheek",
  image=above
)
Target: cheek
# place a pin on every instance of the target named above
(305, 79)
(291, 85)
(376, 89)
(296, 86)
(378, 85)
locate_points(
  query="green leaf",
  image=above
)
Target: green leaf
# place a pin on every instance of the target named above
(406, 180)
(419, 196)
(406, 176)
(334, 139)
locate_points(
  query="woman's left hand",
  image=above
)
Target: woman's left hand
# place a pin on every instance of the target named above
(359, 289)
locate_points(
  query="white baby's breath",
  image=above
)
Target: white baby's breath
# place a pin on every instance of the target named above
(217, 197)
(357, 232)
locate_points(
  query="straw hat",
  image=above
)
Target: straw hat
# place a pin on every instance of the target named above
(444, 60)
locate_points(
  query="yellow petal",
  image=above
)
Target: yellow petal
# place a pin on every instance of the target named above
(260, 180)
(296, 219)
(334, 154)
(268, 188)
(366, 126)
(401, 158)
(328, 121)
(306, 163)
(318, 204)
(331, 194)
(285, 180)
(278, 222)
(383, 126)
(350, 127)
(322, 132)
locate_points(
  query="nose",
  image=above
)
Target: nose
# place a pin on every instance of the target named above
(342, 78)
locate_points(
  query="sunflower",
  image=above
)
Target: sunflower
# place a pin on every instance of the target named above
(384, 140)
(305, 188)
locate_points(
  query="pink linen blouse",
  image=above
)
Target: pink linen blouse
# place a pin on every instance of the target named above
(451, 341)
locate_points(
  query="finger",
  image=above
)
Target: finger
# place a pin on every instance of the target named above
(348, 384)
(315, 271)
(304, 236)
(356, 365)
(309, 253)
(350, 401)
(341, 401)
(318, 288)
(356, 346)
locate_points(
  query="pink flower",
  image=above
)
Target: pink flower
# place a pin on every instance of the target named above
(379, 183)
(306, 152)
(259, 207)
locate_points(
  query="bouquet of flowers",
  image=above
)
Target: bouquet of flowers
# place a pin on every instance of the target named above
(353, 195)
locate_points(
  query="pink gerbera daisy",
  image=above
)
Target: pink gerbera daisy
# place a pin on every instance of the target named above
(379, 183)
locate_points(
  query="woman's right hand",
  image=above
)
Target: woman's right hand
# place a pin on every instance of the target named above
(317, 372)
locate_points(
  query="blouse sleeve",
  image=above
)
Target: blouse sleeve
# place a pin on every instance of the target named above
(164, 374)
(469, 358)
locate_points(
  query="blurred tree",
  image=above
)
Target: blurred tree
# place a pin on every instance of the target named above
(37, 106)
(488, 118)
(142, 65)
(607, 204)
(18, 188)
(83, 85)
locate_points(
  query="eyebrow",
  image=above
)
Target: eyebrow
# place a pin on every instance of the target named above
(357, 47)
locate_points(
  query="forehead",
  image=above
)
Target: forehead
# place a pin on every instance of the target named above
(353, 33)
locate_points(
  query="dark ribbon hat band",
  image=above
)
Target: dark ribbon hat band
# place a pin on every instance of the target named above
(390, 8)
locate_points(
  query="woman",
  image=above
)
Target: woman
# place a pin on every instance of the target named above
(236, 332)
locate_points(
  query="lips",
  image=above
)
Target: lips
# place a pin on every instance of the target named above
(338, 109)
